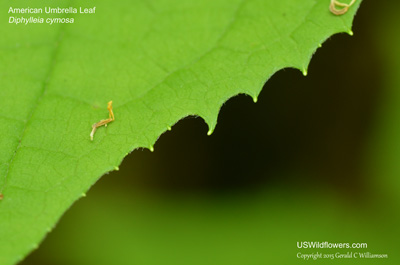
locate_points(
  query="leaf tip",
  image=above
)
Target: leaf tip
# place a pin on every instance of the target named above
(255, 99)
(210, 132)
(305, 71)
(83, 194)
(350, 32)
(151, 148)
(116, 168)
(169, 128)
(320, 45)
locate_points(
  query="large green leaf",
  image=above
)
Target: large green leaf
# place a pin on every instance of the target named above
(159, 61)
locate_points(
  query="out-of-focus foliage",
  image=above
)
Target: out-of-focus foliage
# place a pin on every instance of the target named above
(384, 156)
(260, 229)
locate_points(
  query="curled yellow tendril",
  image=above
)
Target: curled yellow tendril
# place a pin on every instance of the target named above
(343, 7)
(103, 122)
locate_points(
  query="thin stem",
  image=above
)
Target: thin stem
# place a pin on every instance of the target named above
(103, 122)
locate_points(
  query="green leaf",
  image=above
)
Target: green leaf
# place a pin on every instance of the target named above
(159, 61)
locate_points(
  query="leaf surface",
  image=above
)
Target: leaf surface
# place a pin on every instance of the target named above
(159, 61)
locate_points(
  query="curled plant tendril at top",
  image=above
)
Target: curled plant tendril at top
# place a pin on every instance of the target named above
(340, 11)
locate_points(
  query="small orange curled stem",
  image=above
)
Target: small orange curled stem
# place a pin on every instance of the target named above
(340, 11)
(103, 122)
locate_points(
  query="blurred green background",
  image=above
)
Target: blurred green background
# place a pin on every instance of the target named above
(316, 159)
